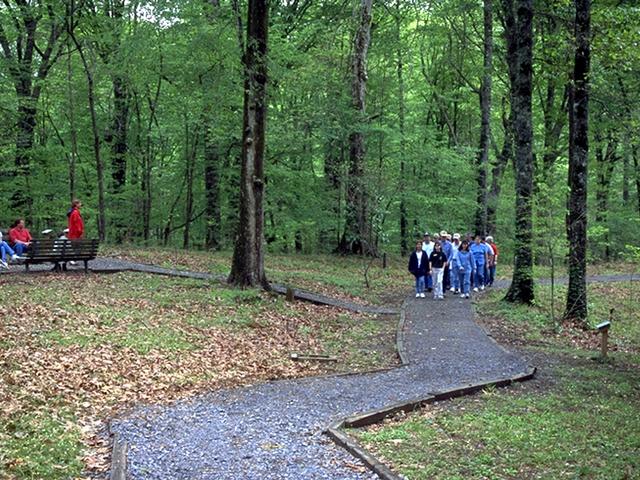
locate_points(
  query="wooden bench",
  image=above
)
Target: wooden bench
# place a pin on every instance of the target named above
(61, 250)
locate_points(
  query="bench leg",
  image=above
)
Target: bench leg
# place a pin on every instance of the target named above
(86, 266)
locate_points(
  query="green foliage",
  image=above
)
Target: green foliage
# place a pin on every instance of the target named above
(182, 68)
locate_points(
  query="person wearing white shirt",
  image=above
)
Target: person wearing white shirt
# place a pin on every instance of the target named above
(427, 247)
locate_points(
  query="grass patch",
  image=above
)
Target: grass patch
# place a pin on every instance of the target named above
(543, 322)
(587, 427)
(41, 445)
(362, 345)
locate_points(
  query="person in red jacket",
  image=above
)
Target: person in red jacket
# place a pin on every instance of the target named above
(19, 237)
(75, 223)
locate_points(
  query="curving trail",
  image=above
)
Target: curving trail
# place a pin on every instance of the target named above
(275, 430)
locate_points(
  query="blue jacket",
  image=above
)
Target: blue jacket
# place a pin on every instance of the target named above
(419, 270)
(479, 251)
(447, 248)
(465, 262)
(454, 256)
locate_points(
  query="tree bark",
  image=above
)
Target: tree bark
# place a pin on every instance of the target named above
(485, 120)
(520, 31)
(403, 140)
(576, 307)
(120, 119)
(357, 237)
(119, 146)
(191, 144)
(212, 189)
(96, 140)
(497, 172)
(247, 269)
(73, 158)
(606, 157)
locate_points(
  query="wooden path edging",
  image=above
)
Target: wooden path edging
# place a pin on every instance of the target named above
(118, 459)
(336, 433)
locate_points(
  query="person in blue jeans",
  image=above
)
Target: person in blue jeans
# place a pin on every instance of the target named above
(479, 252)
(4, 250)
(464, 267)
(419, 267)
(447, 248)
(453, 264)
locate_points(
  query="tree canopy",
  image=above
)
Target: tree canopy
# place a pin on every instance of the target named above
(137, 108)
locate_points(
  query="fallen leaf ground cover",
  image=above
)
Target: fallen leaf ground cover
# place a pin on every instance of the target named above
(75, 349)
(579, 418)
(336, 276)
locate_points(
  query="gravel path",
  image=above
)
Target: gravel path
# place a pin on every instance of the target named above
(274, 430)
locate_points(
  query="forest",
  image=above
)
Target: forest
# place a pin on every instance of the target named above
(384, 119)
(318, 140)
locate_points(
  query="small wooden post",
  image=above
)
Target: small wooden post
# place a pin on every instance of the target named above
(384, 260)
(604, 342)
(290, 295)
(603, 328)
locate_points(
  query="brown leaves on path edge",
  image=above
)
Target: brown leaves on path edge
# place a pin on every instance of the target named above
(82, 343)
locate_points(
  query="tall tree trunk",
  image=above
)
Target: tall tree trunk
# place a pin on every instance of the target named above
(606, 157)
(497, 172)
(403, 140)
(247, 269)
(212, 188)
(358, 236)
(190, 160)
(96, 140)
(73, 159)
(119, 125)
(576, 308)
(120, 120)
(485, 120)
(21, 199)
(28, 75)
(520, 31)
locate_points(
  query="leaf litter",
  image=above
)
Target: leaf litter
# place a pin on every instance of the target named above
(100, 344)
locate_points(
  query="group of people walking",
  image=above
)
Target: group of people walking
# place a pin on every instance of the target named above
(449, 263)
(20, 238)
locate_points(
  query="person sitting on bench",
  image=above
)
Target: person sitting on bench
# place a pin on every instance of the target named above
(19, 237)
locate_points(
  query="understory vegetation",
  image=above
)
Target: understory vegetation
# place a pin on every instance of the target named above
(77, 349)
(579, 418)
